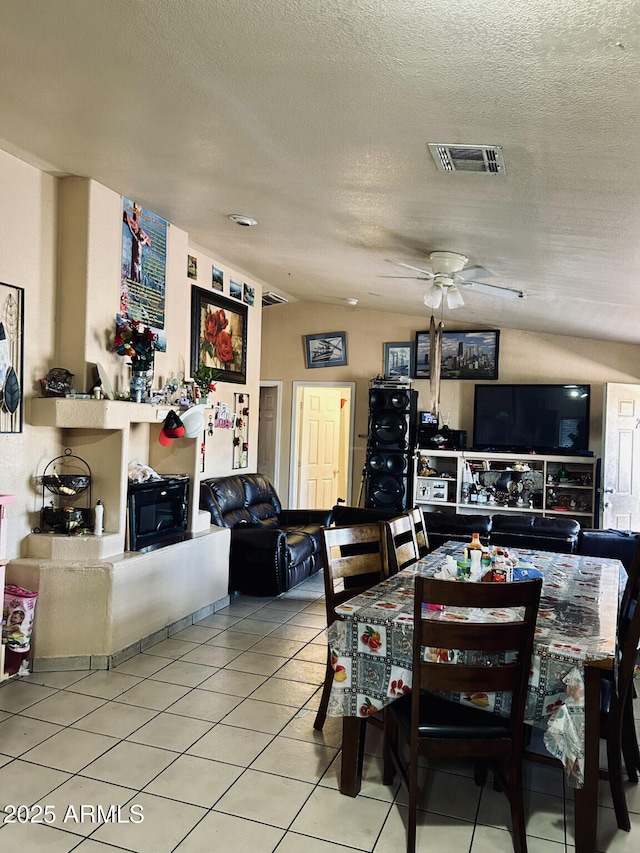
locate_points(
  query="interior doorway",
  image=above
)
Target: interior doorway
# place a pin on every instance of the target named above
(620, 480)
(322, 428)
(269, 430)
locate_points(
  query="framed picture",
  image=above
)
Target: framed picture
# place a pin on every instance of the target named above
(192, 267)
(465, 354)
(217, 278)
(218, 335)
(11, 357)
(398, 360)
(235, 288)
(327, 350)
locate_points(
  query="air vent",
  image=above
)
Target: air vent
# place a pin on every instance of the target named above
(468, 158)
(270, 298)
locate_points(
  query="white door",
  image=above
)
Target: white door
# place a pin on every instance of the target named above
(267, 433)
(319, 463)
(620, 480)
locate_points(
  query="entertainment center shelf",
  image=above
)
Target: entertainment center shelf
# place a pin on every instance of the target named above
(467, 481)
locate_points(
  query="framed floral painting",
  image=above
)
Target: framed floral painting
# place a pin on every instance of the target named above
(218, 335)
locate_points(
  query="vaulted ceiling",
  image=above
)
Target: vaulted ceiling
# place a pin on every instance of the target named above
(314, 118)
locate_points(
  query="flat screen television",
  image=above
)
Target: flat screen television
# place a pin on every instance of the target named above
(532, 418)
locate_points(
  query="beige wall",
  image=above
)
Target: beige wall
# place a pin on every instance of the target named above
(523, 357)
(61, 242)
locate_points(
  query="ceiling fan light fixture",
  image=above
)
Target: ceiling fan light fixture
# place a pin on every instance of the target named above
(433, 296)
(454, 298)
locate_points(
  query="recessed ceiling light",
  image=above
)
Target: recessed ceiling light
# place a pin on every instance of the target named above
(240, 219)
(352, 301)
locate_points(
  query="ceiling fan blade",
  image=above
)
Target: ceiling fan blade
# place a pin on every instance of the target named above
(433, 296)
(470, 273)
(428, 273)
(493, 290)
(412, 277)
(454, 298)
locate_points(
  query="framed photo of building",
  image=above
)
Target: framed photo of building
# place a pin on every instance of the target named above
(465, 354)
(218, 335)
(398, 360)
(326, 350)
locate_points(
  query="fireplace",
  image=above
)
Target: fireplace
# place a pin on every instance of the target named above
(157, 513)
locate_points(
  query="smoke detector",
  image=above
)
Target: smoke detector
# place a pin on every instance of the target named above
(487, 159)
(240, 219)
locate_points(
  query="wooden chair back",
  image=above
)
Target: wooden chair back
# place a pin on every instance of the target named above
(401, 547)
(417, 516)
(353, 562)
(617, 715)
(505, 636)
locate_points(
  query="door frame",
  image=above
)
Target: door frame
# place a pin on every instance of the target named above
(277, 384)
(296, 430)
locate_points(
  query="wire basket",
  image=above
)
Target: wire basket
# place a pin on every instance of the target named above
(66, 485)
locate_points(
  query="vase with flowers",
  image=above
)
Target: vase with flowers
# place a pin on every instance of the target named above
(137, 341)
(204, 379)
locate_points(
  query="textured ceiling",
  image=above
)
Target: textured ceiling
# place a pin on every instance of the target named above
(314, 118)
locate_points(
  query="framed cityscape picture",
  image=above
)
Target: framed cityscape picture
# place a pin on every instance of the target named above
(465, 354)
(398, 360)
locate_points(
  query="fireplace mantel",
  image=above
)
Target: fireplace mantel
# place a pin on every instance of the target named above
(71, 413)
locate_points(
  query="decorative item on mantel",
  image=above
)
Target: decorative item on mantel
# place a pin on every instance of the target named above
(205, 379)
(57, 382)
(137, 341)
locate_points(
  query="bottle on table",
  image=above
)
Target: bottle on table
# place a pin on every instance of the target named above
(474, 549)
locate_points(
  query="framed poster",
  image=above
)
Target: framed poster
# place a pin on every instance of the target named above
(465, 354)
(11, 357)
(326, 350)
(398, 360)
(218, 335)
(143, 269)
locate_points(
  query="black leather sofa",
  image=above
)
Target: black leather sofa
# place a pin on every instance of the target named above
(272, 549)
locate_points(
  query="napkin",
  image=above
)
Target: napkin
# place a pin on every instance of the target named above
(448, 571)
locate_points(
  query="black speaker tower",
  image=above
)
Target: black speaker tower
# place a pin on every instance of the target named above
(390, 448)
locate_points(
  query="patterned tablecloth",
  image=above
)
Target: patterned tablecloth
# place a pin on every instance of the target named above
(371, 644)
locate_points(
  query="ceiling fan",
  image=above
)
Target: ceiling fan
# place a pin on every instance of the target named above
(449, 275)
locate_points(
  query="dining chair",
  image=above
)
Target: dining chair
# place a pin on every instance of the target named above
(353, 562)
(436, 727)
(417, 516)
(400, 544)
(617, 724)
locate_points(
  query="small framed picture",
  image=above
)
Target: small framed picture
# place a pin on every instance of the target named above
(326, 350)
(235, 288)
(192, 267)
(217, 278)
(248, 294)
(398, 360)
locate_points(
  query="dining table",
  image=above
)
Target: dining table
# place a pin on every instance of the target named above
(371, 645)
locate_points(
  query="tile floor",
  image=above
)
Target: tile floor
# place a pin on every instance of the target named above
(209, 737)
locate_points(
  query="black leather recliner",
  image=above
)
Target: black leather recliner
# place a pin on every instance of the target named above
(272, 549)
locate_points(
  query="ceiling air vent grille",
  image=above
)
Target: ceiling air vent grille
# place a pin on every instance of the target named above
(270, 298)
(468, 158)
